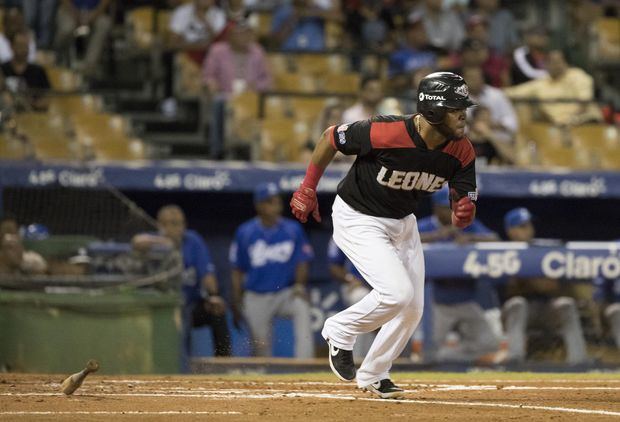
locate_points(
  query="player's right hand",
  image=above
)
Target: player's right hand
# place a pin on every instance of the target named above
(303, 203)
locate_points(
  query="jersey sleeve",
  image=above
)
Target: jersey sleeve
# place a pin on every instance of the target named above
(238, 254)
(203, 262)
(464, 180)
(353, 138)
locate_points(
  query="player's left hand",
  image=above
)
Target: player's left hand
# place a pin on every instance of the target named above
(463, 212)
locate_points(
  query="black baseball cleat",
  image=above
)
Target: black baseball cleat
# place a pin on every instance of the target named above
(341, 362)
(385, 389)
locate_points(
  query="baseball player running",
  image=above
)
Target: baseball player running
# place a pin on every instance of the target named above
(399, 160)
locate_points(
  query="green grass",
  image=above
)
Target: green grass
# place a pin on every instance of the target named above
(428, 376)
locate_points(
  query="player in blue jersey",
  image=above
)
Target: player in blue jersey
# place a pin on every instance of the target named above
(269, 257)
(607, 296)
(202, 304)
(354, 288)
(454, 303)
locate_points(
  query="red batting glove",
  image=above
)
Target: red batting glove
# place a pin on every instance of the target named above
(463, 212)
(303, 203)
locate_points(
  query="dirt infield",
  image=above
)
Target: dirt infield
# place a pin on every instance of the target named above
(311, 397)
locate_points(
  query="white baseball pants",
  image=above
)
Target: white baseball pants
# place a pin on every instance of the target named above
(388, 254)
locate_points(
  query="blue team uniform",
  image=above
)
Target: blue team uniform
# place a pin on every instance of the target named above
(269, 255)
(451, 291)
(197, 263)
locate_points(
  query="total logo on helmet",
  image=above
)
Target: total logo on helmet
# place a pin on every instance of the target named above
(424, 96)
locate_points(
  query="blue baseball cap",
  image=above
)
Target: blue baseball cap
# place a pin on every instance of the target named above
(264, 191)
(441, 197)
(516, 217)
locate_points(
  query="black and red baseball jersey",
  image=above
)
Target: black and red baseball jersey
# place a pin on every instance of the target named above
(394, 168)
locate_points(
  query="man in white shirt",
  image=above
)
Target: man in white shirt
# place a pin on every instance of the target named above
(13, 22)
(370, 96)
(196, 24)
(503, 116)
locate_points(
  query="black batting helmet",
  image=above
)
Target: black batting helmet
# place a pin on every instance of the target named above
(439, 91)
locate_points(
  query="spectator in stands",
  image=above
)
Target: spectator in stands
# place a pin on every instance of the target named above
(232, 66)
(414, 54)
(444, 27)
(193, 27)
(494, 122)
(27, 81)
(331, 115)
(40, 16)
(370, 97)
(83, 18)
(354, 288)
(528, 60)
(269, 257)
(502, 26)
(15, 260)
(489, 148)
(300, 25)
(202, 303)
(8, 225)
(607, 296)
(538, 302)
(236, 64)
(13, 22)
(454, 304)
(368, 23)
(564, 83)
(495, 67)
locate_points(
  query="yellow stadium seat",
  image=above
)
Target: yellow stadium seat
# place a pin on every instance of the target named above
(546, 135)
(608, 42)
(11, 149)
(63, 79)
(278, 63)
(294, 82)
(140, 25)
(245, 104)
(277, 107)
(596, 136)
(282, 139)
(47, 135)
(320, 64)
(71, 105)
(568, 157)
(307, 109)
(610, 160)
(345, 83)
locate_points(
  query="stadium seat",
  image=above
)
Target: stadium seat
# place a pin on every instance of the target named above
(545, 135)
(140, 26)
(599, 137)
(608, 42)
(564, 157)
(277, 107)
(307, 109)
(345, 83)
(11, 149)
(610, 160)
(105, 136)
(320, 64)
(71, 105)
(282, 139)
(47, 135)
(294, 82)
(278, 63)
(245, 104)
(63, 79)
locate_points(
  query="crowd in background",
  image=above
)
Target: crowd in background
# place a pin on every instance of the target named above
(537, 56)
